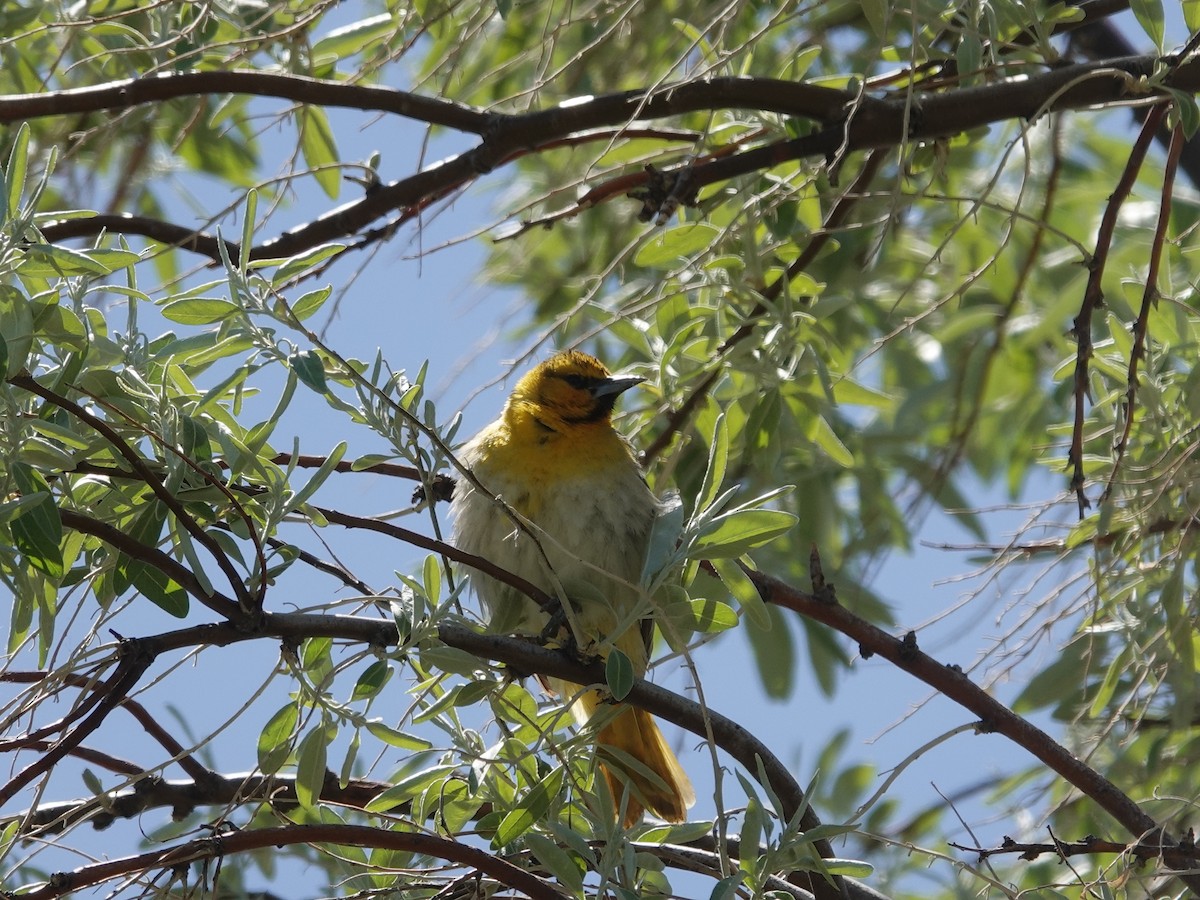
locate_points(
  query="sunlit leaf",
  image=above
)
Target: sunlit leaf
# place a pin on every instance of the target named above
(529, 809)
(311, 758)
(274, 742)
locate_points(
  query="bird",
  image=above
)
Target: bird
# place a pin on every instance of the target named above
(555, 460)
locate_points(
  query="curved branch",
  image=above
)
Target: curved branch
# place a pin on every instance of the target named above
(149, 724)
(182, 797)
(531, 658)
(1150, 295)
(479, 563)
(135, 549)
(135, 658)
(62, 883)
(239, 611)
(1093, 295)
(1181, 857)
(874, 123)
(950, 681)
(132, 92)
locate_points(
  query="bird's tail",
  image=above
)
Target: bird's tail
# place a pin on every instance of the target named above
(655, 779)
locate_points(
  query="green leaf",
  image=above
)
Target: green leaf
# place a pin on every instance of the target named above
(431, 577)
(409, 787)
(274, 743)
(712, 616)
(726, 888)
(347, 770)
(307, 364)
(200, 310)
(558, 862)
(750, 836)
(48, 261)
(1150, 16)
(1185, 108)
(56, 324)
(310, 302)
(618, 674)
(372, 680)
(733, 533)
(474, 691)
(670, 246)
(311, 757)
(828, 441)
(302, 263)
(664, 537)
(877, 13)
(1058, 680)
(328, 467)
(15, 173)
(1191, 15)
(775, 653)
(320, 149)
(249, 221)
(848, 868)
(529, 809)
(16, 328)
(145, 577)
(394, 738)
(744, 591)
(344, 42)
(718, 462)
(37, 531)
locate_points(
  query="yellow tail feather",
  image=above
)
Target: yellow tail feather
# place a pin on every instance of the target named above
(667, 792)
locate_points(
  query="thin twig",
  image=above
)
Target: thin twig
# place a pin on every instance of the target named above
(240, 611)
(1093, 296)
(836, 218)
(149, 724)
(135, 658)
(1149, 299)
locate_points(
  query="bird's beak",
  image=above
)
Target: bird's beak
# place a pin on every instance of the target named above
(611, 387)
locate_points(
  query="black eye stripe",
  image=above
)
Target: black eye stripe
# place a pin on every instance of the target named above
(581, 382)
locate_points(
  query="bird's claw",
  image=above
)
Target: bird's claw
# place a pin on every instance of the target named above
(556, 630)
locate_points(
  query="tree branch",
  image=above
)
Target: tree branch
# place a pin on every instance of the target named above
(182, 855)
(949, 680)
(183, 797)
(851, 123)
(1184, 856)
(141, 715)
(1150, 296)
(1093, 296)
(135, 658)
(241, 611)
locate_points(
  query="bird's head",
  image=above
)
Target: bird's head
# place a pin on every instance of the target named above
(569, 389)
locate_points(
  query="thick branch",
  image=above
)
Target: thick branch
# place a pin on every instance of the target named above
(525, 657)
(865, 123)
(62, 883)
(182, 797)
(299, 88)
(950, 681)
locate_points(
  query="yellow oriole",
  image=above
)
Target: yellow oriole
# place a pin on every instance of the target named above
(554, 458)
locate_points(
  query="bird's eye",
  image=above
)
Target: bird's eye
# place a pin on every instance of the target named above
(579, 382)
